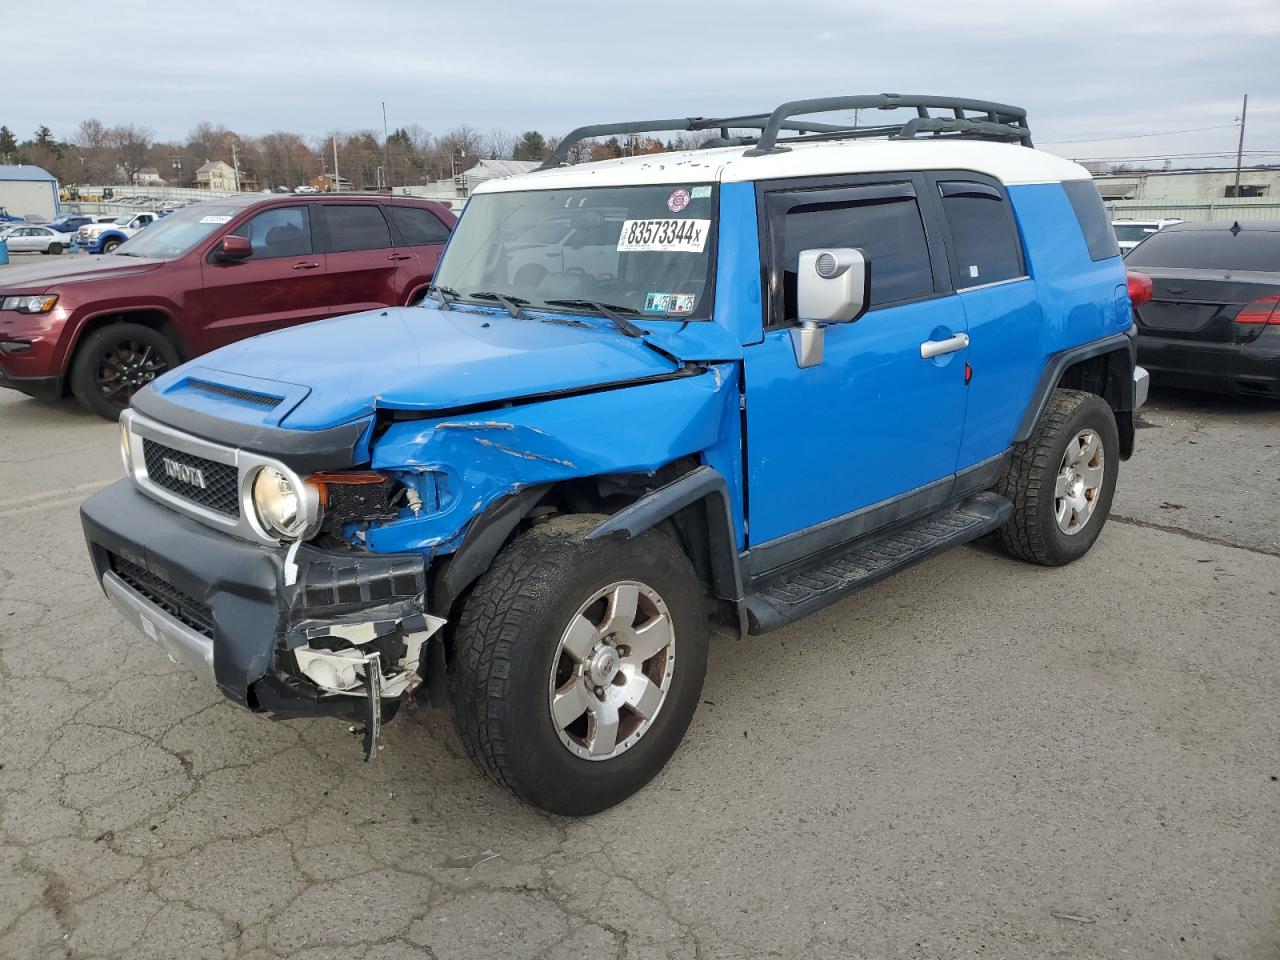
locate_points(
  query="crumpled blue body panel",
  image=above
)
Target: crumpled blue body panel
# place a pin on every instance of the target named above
(486, 456)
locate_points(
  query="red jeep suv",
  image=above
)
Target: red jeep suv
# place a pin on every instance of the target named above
(221, 270)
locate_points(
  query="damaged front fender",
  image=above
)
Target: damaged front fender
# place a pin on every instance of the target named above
(490, 455)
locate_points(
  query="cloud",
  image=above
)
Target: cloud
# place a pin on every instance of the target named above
(1084, 69)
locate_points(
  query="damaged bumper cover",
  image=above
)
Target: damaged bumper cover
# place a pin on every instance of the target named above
(311, 632)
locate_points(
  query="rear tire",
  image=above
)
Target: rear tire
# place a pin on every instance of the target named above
(116, 361)
(1062, 480)
(534, 692)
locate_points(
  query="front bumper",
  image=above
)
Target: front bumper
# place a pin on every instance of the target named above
(42, 388)
(1247, 369)
(240, 614)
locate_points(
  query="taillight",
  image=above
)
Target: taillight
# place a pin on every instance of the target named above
(1140, 289)
(1262, 310)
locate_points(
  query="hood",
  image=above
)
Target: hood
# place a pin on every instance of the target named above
(415, 358)
(40, 277)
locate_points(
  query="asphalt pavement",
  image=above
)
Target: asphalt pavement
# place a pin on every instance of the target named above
(977, 758)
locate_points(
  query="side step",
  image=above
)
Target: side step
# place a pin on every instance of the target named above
(792, 595)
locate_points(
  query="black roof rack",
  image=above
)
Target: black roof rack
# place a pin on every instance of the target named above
(991, 121)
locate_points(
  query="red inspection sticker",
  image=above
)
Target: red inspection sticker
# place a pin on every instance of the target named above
(678, 200)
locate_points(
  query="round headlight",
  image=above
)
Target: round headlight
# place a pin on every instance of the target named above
(124, 450)
(279, 504)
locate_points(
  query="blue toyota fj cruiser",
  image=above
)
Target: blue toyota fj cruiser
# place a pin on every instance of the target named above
(723, 387)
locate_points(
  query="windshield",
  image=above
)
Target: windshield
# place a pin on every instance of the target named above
(1133, 231)
(644, 250)
(177, 233)
(1209, 250)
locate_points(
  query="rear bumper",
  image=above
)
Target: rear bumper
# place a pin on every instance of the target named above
(1251, 369)
(237, 613)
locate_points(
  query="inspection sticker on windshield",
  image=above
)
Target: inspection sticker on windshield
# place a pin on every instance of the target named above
(665, 236)
(213, 219)
(672, 303)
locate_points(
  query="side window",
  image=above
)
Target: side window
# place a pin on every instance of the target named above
(418, 226)
(356, 226)
(982, 234)
(1092, 217)
(278, 232)
(888, 229)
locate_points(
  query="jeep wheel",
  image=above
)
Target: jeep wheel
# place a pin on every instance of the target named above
(115, 362)
(578, 664)
(1061, 481)
(110, 246)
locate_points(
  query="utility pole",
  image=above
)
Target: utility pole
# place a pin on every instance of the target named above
(1240, 146)
(386, 149)
(335, 163)
(235, 162)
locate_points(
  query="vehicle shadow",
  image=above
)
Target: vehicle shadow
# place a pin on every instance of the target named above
(1180, 400)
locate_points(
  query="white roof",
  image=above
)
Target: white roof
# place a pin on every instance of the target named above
(1008, 163)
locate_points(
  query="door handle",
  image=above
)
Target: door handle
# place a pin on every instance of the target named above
(936, 348)
(305, 265)
(398, 256)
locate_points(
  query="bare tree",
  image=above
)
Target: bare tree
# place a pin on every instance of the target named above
(500, 144)
(92, 152)
(130, 146)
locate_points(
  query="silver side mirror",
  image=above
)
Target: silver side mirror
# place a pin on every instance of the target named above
(831, 287)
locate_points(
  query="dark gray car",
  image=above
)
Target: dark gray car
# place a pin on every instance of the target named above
(1213, 321)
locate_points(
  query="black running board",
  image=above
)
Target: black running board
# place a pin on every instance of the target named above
(789, 596)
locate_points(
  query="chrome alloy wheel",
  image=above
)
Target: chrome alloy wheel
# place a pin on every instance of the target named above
(612, 670)
(1079, 483)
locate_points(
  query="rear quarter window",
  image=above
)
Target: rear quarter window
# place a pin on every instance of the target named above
(1091, 215)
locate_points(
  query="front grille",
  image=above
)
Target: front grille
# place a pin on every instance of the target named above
(165, 595)
(221, 480)
(234, 393)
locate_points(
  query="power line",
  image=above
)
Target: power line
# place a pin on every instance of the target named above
(1139, 136)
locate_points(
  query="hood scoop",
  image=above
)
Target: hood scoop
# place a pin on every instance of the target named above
(234, 396)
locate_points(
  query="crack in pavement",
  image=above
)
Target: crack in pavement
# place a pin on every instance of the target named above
(1192, 535)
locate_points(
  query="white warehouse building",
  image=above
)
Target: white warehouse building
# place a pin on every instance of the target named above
(28, 191)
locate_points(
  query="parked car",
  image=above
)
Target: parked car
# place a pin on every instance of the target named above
(1213, 321)
(1130, 233)
(31, 238)
(106, 237)
(7, 217)
(792, 370)
(203, 277)
(71, 223)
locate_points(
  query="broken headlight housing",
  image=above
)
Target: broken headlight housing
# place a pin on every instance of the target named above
(284, 505)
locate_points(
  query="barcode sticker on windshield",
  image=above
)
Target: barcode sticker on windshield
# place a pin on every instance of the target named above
(665, 236)
(214, 219)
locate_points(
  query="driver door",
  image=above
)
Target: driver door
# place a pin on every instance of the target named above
(281, 284)
(875, 427)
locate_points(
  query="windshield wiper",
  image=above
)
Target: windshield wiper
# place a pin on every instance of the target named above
(514, 305)
(446, 295)
(611, 310)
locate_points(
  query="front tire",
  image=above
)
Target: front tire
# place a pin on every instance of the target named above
(55, 248)
(110, 246)
(578, 664)
(1062, 481)
(115, 362)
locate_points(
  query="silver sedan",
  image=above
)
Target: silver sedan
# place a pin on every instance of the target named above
(31, 238)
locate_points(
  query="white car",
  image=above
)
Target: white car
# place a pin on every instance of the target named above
(33, 238)
(1130, 233)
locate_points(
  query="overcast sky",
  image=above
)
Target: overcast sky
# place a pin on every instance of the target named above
(1087, 70)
